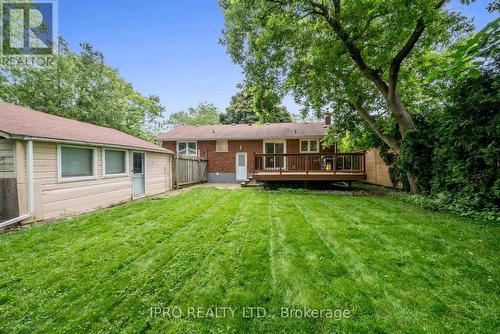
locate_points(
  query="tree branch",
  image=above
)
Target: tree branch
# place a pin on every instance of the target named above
(355, 53)
(406, 49)
(388, 139)
(403, 53)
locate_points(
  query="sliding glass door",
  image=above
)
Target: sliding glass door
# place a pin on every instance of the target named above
(274, 161)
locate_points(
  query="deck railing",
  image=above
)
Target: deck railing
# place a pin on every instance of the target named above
(310, 163)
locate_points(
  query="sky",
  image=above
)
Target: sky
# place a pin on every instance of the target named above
(171, 48)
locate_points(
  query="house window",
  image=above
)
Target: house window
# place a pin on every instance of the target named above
(77, 163)
(115, 162)
(221, 146)
(309, 146)
(187, 148)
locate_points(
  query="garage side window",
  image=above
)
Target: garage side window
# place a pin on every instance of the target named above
(77, 162)
(115, 162)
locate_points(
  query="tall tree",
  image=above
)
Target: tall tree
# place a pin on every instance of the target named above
(82, 87)
(203, 114)
(240, 110)
(255, 104)
(346, 56)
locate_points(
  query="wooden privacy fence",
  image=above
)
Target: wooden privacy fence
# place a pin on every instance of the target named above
(9, 205)
(189, 170)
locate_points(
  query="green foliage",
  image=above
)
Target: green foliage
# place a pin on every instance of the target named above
(455, 152)
(240, 109)
(266, 104)
(416, 151)
(351, 141)
(288, 46)
(463, 58)
(466, 157)
(203, 114)
(443, 202)
(82, 87)
(255, 105)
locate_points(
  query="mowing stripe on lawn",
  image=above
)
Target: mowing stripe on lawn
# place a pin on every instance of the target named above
(399, 272)
(36, 238)
(300, 259)
(105, 251)
(103, 275)
(231, 275)
(398, 281)
(271, 244)
(175, 262)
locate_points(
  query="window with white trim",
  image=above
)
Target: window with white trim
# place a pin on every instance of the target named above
(77, 163)
(187, 148)
(115, 162)
(221, 146)
(309, 146)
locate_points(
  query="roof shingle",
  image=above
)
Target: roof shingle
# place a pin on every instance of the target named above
(245, 131)
(25, 122)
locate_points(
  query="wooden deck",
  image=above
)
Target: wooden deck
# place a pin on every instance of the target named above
(309, 177)
(310, 167)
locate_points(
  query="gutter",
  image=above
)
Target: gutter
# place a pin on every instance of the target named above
(242, 138)
(84, 143)
(31, 192)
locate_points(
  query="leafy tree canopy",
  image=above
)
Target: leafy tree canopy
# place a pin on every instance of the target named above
(203, 114)
(255, 105)
(82, 87)
(241, 109)
(355, 59)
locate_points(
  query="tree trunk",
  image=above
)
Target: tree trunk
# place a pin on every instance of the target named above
(400, 113)
(405, 123)
(413, 183)
(365, 115)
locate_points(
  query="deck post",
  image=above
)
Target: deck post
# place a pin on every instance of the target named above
(177, 171)
(254, 162)
(307, 164)
(199, 170)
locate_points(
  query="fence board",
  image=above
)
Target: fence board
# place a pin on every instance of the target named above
(189, 170)
(9, 205)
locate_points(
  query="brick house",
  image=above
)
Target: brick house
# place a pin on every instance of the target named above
(236, 152)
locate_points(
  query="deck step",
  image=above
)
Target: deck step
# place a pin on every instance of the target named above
(250, 182)
(254, 185)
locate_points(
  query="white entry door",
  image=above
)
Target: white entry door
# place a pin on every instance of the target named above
(241, 166)
(138, 175)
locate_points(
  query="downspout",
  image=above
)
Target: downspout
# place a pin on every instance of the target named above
(31, 192)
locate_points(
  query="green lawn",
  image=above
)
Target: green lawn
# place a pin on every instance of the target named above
(394, 267)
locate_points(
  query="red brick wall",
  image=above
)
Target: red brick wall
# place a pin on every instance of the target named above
(293, 146)
(225, 162)
(170, 145)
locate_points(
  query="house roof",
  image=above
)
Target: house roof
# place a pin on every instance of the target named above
(18, 121)
(245, 131)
